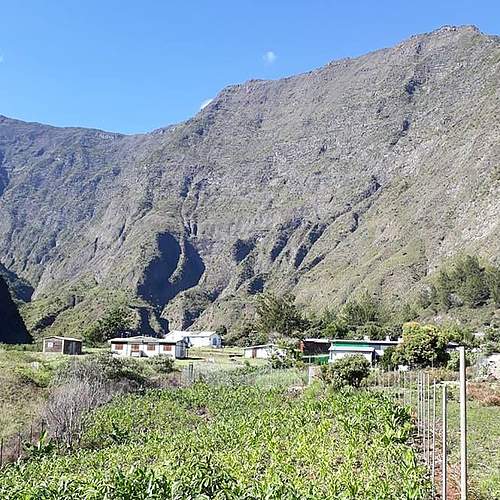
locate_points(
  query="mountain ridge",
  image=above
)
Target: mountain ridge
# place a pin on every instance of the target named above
(308, 184)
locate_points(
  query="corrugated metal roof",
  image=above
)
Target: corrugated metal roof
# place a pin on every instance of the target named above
(62, 338)
(140, 339)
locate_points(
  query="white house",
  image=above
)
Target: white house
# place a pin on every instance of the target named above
(370, 349)
(196, 338)
(263, 351)
(141, 346)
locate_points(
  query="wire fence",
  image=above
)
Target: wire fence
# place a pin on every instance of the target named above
(427, 398)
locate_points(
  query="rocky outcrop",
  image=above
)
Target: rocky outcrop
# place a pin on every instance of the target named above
(366, 173)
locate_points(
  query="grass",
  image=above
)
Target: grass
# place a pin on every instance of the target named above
(483, 446)
(24, 377)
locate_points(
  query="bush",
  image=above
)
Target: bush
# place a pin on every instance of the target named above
(287, 355)
(423, 345)
(162, 364)
(391, 358)
(349, 370)
(453, 363)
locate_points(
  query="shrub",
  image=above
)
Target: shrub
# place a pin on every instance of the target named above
(423, 345)
(287, 355)
(491, 341)
(349, 370)
(162, 364)
(453, 363)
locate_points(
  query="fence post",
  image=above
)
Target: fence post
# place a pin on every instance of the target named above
(424, 417)
(1, 452)
(463, 425)
(190, 373)
(444, 463)
(433, 437)
(18, 445)
(428, 418)
(310, 374)
(418, 402)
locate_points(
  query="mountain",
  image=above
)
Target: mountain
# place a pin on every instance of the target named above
(366, 173)
(12, 327)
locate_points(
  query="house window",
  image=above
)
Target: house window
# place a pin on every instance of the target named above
(50, 344)
(135, 347)
(151, 347)
(118, 347)
(167, 347)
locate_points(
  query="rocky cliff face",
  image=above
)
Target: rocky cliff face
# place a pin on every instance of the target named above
(366, 173)
(12, 328)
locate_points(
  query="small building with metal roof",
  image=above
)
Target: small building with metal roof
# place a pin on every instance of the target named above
(62, 345)
(142, 346)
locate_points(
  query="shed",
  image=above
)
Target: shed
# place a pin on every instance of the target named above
(62, 345)
(337, 352)
(315, 350)
(263, 351)
(142, 346)
(197, 338)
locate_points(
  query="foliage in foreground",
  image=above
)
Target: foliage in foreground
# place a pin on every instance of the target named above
(232, 442)
(349, 370)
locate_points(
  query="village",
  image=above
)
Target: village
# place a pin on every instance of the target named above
(177, 344)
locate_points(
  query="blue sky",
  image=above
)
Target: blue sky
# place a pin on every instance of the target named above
(133, 66)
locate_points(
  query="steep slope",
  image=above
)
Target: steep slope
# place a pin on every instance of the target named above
(12, 328)
(365, 173)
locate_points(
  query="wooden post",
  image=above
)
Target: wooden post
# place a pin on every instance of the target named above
(1, 452)
(463, 426)
(444, 463)
(191, 373)
(418, 402)
(404, 388)
(310, 374)
(410, 389)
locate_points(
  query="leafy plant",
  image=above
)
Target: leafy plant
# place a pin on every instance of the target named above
(349, 370)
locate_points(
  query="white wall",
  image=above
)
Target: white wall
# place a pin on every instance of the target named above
(260, 352)
(143, 351)
(341, 354)
(212, 341)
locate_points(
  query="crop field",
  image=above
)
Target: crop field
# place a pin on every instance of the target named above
(232, 440)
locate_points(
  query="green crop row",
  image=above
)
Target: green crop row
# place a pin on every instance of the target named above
(232, 442)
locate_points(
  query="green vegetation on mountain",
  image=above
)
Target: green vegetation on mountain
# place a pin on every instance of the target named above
(366, 174)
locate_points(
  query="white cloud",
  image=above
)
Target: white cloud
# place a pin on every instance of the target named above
(269, 57)
(205, 103)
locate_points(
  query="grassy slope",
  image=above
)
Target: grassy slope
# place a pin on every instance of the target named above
(23, 387)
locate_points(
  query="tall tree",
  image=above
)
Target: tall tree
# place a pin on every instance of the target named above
(279, 315)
